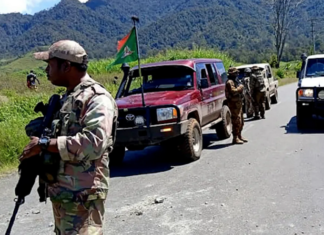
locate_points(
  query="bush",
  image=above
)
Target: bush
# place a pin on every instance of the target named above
(280, 73)
(273, 61)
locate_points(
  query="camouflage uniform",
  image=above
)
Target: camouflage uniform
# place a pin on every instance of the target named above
(247, 98)
(86, 120)
(258, 91)
(84, 126)
(234, 96)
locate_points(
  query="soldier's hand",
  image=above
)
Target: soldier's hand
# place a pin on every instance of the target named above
(241, 87)
(31, 149)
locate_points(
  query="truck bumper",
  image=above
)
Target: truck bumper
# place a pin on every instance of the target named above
(311, 107)
(155, 134)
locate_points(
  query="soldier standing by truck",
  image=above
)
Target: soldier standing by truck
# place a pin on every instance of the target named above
(247, 93)
(234, 95)
(258, 92)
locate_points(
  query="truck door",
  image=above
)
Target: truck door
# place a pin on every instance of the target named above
(201, 74)
(270, 79)
(217, 91)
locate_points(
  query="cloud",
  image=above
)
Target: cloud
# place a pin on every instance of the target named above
(27, 6)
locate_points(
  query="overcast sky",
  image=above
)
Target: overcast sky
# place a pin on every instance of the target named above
(27, 6)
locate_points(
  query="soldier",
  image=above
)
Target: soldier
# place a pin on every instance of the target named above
(247, 93)
(258, 92)
(234, 95)
(85, 131)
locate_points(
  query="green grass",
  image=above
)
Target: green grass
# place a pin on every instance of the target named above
(17, 101)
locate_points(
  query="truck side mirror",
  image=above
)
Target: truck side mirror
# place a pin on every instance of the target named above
(298, 74)
(204, 83)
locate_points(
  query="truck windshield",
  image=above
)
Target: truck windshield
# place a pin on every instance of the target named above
(315, 67)
(162, 78)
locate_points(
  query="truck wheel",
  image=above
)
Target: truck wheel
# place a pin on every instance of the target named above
(268, 102)
(190, 144)
(116, 157)
(302, 118)
(274, 98)
(224, 128)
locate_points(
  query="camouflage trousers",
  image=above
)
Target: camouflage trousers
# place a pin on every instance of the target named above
(259, 102)
(79, 218)
(248, 106)
(237, 117)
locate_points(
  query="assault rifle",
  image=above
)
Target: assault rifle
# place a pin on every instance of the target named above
(32, 167)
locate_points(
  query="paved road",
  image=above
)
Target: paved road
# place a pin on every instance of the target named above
(272, 185)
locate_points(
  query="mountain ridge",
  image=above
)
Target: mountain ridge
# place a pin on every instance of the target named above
(240, 27)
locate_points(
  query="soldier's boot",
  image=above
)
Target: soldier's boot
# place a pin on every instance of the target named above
(262, 116)
(236, 140)
(242, 138)
(256, 117)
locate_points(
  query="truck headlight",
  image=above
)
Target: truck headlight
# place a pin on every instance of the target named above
(309, 93)
(164, 114)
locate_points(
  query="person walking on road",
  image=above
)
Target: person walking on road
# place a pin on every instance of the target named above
(234, 95)
(258, 92)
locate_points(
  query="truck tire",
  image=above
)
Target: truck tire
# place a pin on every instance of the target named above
(190, 144)
(116, 157)
(274, 98)
(267, 102)
(224, 128)
(302, 118)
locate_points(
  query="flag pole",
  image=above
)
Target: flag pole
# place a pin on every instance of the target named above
(136, 19)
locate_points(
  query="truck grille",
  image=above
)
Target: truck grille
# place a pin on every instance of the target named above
(125, 120)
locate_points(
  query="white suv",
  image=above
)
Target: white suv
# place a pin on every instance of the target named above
(310, 93)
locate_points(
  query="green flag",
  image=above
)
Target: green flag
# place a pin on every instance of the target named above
(127, 49)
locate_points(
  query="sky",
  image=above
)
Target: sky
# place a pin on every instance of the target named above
(27, 6)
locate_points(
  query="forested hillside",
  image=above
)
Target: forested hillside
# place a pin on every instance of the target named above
(240, 27)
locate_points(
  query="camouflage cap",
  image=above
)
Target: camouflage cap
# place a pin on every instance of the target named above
(255, 68)
(232, 70)
(64, 49)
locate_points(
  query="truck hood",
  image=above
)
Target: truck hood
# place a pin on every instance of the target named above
(311, 82)
(157, 98)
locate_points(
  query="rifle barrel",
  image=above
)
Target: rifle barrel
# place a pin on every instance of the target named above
(19, 202)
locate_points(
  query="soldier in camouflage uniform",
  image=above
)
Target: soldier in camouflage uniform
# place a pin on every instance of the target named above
(234, 95)
(85, 124)
(247, 93)
(258, 92)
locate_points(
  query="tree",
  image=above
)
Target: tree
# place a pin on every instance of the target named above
(283, 12)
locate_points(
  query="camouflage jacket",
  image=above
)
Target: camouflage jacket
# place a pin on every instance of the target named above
(257, 82)
(84, 133)
(233, 91)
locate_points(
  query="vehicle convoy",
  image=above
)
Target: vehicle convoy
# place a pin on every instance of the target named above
(310, 91)
(177, 101)
(270, 81)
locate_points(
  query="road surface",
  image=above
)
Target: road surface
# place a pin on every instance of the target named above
(271, 185)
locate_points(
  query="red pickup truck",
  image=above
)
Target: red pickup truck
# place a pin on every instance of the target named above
(171, 105)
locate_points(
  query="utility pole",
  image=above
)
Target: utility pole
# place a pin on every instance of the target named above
(312, 20)
(313, 35)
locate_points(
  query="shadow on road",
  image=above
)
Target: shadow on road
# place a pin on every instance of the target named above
(210, 140)
(316, 126)
(157, 159)
(148, 161)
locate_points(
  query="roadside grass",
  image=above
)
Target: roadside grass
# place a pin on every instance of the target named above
(17, 102)
(286, 81)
